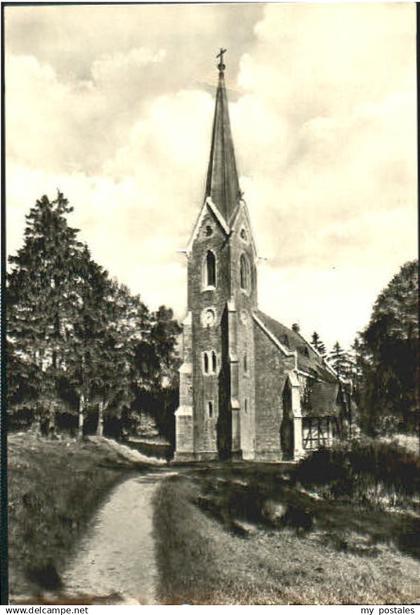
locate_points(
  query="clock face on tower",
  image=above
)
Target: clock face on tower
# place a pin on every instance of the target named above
(208, 317)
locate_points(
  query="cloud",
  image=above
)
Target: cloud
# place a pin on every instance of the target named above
(120, 65)
(72, 38)
(50, 122)
(126, 239)
(332, 183)
(139, 210)
(113, 105)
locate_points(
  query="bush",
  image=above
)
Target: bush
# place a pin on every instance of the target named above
(364, 471)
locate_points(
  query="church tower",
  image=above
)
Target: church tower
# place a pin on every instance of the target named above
(216, 414)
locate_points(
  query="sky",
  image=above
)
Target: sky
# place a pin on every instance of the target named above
(113, 105)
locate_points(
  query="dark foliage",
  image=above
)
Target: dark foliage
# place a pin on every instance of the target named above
(387, 358)
(341, 361)
(318, 344)
(365, 471)
(45, 576)
(84, 354)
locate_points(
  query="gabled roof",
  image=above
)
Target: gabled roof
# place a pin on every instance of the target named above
(208, 206)
(242, 206)
(308, 360)
(222, 183)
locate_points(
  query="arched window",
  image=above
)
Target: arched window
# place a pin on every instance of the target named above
(210, 270)
(210, 408)
(209, 362)
(214, 362)
(245, 272)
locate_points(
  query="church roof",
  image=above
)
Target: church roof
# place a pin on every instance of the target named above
(222, 184)
(308, 359)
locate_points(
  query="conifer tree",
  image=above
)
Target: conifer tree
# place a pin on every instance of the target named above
(85, 351)
(340, 360)
(23, 383)
(41, 300)
(164, 336)
(129, 323)
(74, 333)
(318, 344)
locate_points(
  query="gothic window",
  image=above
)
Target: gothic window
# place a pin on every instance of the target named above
(245, 273)
(206, 363)
(210, 408)
(214, 362)
(209, 277)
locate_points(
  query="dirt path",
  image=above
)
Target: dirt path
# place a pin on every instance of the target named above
(117, 555)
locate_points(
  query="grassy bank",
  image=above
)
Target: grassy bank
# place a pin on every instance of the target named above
(220, 541)
(54, 489)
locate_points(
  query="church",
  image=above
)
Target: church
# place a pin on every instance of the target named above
(250, 388)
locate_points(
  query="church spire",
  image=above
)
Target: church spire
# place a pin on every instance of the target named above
(222, 184)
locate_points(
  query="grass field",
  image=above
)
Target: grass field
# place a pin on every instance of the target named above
(54, 489)
(218, 543)
(224, 533)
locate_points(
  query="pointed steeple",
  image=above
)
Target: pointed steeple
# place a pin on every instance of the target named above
(222, 177)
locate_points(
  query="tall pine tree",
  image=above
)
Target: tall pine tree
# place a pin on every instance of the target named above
(341, 361)
(86, 348)
(41, 302)
(318, 344)
(79, 342)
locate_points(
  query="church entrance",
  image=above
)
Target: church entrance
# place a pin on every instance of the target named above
(286, 427)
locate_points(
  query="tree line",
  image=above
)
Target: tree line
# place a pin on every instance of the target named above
(382, 363)
(83, 352)
(86, 354)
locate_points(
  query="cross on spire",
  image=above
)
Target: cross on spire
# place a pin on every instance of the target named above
(221, 66)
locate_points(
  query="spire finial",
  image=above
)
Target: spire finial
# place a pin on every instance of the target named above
(221, 66)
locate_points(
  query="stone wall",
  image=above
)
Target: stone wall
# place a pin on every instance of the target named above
(243, 302)
(231, 389)
(184, 435)
(207, 338)
(270, 378)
